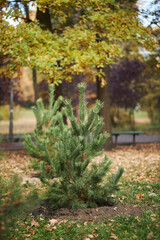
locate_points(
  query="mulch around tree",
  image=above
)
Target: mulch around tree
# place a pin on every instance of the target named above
(90, 214)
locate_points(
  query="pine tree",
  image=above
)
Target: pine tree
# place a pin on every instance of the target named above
(49, 122)
(81, 182)
(66, 153)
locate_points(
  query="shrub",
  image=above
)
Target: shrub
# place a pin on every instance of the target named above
(66, 152)
(81, 182)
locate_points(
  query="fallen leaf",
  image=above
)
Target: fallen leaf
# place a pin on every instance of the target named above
(53, 221)
(150, 235)
(32, 231)
(90, 236)
(139, 195)
(137, 218)
(114, 236)
(34, 223)
(153, 195)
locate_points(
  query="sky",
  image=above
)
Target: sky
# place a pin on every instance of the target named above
(142, 4)
(146, 5)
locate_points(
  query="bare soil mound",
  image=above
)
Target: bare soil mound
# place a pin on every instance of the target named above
(93, 214)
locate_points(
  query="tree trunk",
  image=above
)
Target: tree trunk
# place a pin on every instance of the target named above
(34, 76)
(131, 118)
(34, 73)
(26, 12)
(103, 94)
(11, 113)
(44, 19)
(58, 91)
(45, 22)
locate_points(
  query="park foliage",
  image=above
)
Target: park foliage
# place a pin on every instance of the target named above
(86, 36)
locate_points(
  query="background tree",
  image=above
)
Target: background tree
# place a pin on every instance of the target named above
(151, 101)
(127, 84)
(5, 84)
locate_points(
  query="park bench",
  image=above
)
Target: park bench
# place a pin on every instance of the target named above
(133, 133)
(15, 138)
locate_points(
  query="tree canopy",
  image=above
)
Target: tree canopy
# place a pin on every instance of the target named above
(86, 36)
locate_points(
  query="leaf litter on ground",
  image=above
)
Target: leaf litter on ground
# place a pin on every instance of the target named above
(141, 163)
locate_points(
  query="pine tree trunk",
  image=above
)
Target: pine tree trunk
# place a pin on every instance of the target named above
(103, 95)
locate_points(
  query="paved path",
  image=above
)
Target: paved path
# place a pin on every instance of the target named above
(122, 140)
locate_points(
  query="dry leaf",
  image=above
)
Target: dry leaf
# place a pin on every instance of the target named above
(150, 235)
(114, 236)
(53, 221)
(32, 231)
(137, 218)
(34, 223)
(90, 236)
(139, 195)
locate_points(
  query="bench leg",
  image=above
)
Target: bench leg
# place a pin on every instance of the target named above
(116, 141)
(134, 139)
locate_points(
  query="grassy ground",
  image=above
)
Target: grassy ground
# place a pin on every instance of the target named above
(139, 187)
(145, 226)
(141, 114)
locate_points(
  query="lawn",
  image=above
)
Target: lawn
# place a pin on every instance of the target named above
(134, 216)
(140, 114)
(25, 122)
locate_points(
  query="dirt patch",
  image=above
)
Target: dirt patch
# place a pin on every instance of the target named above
(87, 214)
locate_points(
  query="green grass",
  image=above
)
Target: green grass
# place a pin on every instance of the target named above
(146, 226)
(124, 228)
(139, 192)
(26, 113)
(148, 128)
(140, 114)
